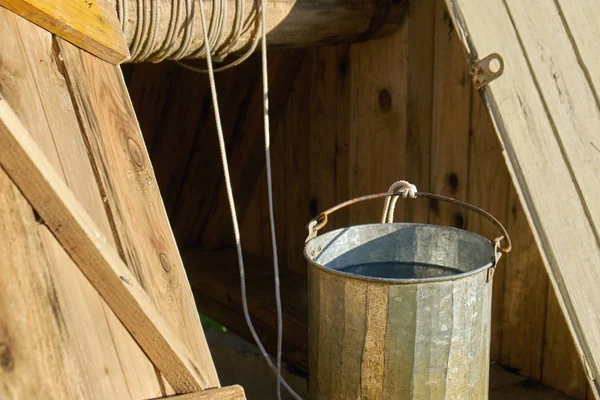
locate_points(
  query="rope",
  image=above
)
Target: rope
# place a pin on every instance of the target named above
(181, 24)
(236, 231)
(403, 188)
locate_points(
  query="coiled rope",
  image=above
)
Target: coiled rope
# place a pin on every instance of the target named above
(236, 231)
(181, 27)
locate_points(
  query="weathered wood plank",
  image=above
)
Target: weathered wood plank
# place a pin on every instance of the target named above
(137, 212)
(525, 297)
(27, 285)
(488, 188)
(39, 96)
(27, 166)
(451, 120)
(377, 72)
(74, 165)
(561, 368)
(563, 225)
(421, 32)
(92, 26)
(234, 392)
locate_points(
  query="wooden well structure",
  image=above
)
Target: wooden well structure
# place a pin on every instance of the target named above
(347, 118)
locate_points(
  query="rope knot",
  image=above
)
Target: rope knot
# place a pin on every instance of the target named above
(404, 189)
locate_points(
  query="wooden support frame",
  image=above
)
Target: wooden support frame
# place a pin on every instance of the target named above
(92, 25)
(233, 392)
(33, 174)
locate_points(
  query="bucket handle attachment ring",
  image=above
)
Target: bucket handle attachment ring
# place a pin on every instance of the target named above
(321, 220)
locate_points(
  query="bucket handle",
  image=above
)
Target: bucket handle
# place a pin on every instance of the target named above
(321, 220)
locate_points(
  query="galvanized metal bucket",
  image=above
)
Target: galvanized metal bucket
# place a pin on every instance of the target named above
(400, 310)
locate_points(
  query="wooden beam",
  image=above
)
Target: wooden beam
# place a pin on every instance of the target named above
(28, 167)
(545, 109)
(90, 24)
(126, 177)
(215, 281)
(234, 392)
(289, 23)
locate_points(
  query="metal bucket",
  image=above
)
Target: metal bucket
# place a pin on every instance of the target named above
(400, 310)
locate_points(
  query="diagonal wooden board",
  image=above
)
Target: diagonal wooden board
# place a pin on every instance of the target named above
(90, 24)
(546, 111)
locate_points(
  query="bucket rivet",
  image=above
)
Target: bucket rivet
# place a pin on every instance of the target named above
(312, 253)
(319, 249)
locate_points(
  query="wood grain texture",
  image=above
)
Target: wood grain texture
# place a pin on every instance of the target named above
(139, 220)
(92, 26)
(27, 166)
(525, 101)
(488, 188)
(450, 121)
(234, 392)
(40, 97)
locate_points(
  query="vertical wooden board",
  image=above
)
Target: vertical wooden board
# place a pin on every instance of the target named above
(451, 120)
(32, 346)
(41, 52)
(323, 129)
(42, 100)
(378, 96)
(561, 367)
(342, 133)
(525, 298)
(489, 187)
(421, 24)
(140, 221)
(297, 168)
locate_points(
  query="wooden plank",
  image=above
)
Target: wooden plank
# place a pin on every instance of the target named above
(92, 25)
(246, 146)
(488, 188)
(234, 392)
(450, 114)
(72, 161)
(561, 367)
(78, 234)
(563, 227)
(378, 113)
(421, 33)
(125, 174)
(27, 285)
(525, 297)
(569, 96)
(39, 96)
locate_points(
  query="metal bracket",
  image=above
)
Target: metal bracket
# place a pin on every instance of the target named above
(486, 70)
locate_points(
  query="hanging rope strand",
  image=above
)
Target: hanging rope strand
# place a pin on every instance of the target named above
(230, 198)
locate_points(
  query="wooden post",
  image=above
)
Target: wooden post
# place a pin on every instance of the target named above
(290, 23)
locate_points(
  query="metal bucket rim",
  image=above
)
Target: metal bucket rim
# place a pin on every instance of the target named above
(399, 281)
